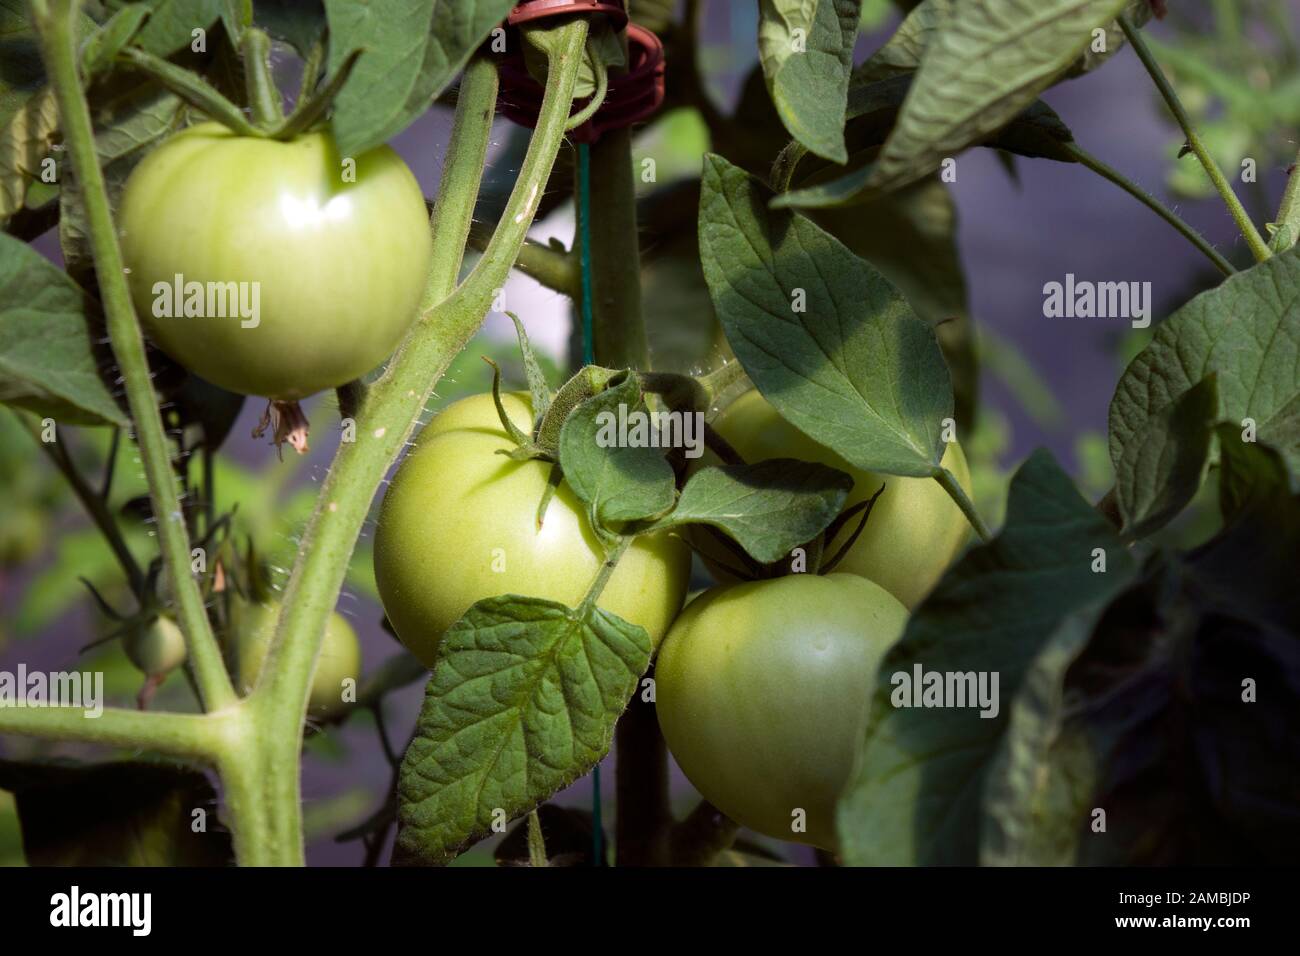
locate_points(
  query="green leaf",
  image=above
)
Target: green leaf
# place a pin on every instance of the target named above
(99, 51)
(1031, 816)
(48, 358)
(915, 795)
(770, 508)
(1245, 331)
(1162, 468)
(806, 51)
(619, 483)
(902, 52)
(300, 23)
(413, 50)
(987, 62)
(855, 370)
(1252, 476)
(522, 702)
(26, 136)
(115, 814)
(1138, 13)
(172, 23)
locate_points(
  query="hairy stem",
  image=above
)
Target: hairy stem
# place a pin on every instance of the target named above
(198, 736)
(1258, 247)
(54, 24)
(554, 268)
(396, 400)
(1155, 205)
(268, 108)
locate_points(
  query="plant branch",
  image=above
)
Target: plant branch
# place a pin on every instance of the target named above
(554, 268)
(1150, 201)
(54, 26)
(396, 400)
(93, 503)
(199, 736)
(1258, 247)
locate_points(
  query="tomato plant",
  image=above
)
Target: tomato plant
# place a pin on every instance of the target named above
(766, 343)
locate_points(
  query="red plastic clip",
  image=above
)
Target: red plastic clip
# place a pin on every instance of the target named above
(527, 10)
(632, 96)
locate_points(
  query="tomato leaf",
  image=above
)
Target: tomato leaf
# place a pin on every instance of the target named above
(987, 61)
(522, 702)
(1252, 476)
(1162, 468)
(770, 508)
(1245, 331)
(1031, 817)
(98, 52)
(172, 23)
(806, 51)
(915, 795)
(826, 339)
(49, 360)
(412, 51)
(618, 482)
(116, 814)
(26, 136)
(1176, 721)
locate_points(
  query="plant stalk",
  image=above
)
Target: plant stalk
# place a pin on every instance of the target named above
(263, 97)
(54, 25)
(395, 402)
(1258, 247)
(1150, 201)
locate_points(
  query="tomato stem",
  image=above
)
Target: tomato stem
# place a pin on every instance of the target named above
(1150, 201)
(263, 96)
(1258, 247)
(58, 47)
(949, 483)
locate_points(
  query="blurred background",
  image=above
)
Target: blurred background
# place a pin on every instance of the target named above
(1041, 381)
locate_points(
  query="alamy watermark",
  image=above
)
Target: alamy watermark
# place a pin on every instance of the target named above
(80, 689)
(211, 300)
(946, 689)
(1083, 299)
(638, 428)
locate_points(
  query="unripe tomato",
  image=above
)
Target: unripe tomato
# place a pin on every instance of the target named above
(157, 648)
(915, 530)
(459, 524)
(340, 653)
(762, 691)
(338, 266)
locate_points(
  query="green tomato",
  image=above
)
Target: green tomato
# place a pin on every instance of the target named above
(157, 648)
(914, 532)
(340, 653)
(459, 524)
(338, 266)
(762, 690)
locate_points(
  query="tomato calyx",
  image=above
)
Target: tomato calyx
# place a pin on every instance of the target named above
(287, 423)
